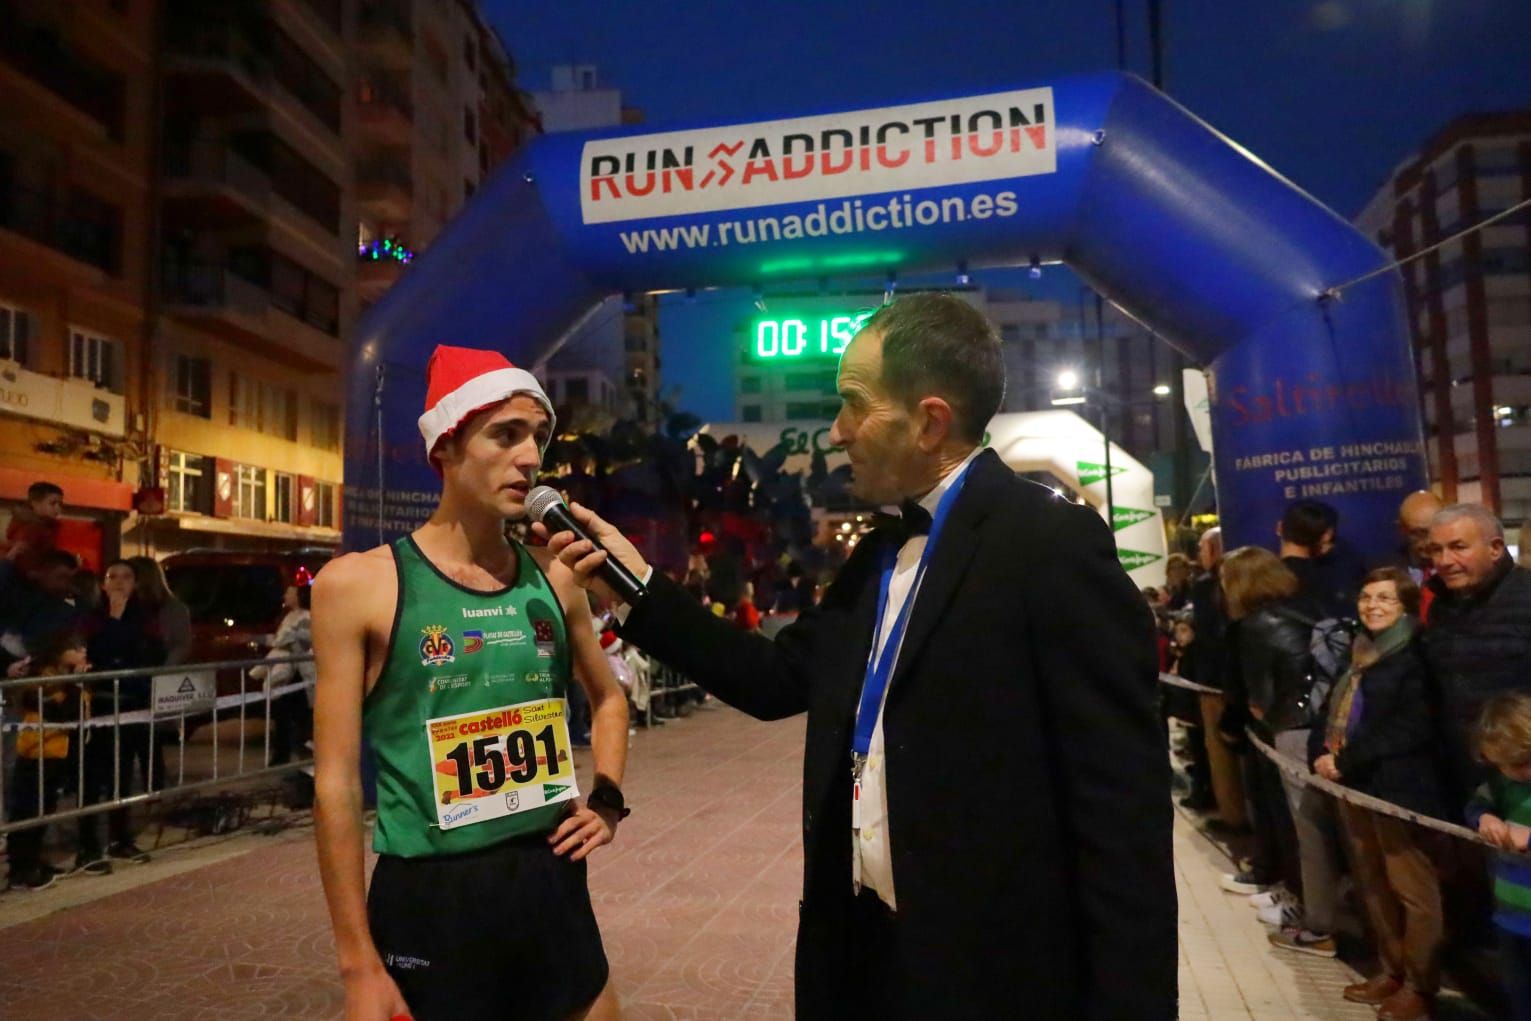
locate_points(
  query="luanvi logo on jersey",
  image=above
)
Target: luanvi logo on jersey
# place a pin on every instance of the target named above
(862, 152)
(490, 611)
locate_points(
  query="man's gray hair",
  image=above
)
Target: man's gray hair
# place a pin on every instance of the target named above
(1489, 525)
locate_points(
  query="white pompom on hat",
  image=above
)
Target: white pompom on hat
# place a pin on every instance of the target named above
(463, 380)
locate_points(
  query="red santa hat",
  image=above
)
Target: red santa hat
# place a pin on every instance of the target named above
(610, 643)
(462, 380)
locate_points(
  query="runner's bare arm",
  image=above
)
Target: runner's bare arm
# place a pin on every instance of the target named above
(345, 598)
(585, 830)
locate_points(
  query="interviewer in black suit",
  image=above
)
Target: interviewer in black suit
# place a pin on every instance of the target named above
(1013, 856)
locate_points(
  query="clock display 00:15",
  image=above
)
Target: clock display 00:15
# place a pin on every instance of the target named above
(775, 339)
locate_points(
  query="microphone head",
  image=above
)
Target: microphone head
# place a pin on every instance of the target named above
(540, 500)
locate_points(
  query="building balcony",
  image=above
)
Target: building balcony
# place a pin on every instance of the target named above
(384, 33)
(385, 190)
(375, 276)
(78, 225)
(38, 53)
(384, 110)
(209, 185)
(212, 297)
(218, 69)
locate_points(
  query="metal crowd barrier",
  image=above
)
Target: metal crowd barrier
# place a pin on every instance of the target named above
(1300, 772)
(177, 697)
(665, 683)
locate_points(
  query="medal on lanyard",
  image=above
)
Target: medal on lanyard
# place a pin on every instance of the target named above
(880, 663)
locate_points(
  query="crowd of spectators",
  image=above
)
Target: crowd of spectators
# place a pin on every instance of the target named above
(1404, 681)
(59, 618)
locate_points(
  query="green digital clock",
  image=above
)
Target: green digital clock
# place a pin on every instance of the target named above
(803, 338)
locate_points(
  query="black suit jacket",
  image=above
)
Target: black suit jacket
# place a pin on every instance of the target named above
(1027, 778)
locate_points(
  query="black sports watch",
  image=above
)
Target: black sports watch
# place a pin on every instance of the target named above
(609, 796)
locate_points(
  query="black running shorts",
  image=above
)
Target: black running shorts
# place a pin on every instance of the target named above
(502, 934)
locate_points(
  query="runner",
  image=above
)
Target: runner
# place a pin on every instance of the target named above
(459, 644)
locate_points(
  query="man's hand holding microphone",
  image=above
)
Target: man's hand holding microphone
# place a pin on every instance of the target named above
(595, 552)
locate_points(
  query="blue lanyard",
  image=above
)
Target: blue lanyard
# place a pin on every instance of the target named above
(880, 664)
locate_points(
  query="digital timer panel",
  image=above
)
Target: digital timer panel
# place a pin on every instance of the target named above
(803, 338)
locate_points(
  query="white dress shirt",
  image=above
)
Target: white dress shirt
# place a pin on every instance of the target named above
(871, 856)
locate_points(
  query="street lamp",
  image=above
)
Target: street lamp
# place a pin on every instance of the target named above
(1068, 379)
(1162, 390)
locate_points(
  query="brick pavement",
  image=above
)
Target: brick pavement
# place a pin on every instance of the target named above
(697, 901)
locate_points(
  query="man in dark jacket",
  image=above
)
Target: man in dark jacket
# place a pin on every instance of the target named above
(990, 836)
(34, 605)
(1328, 571)
(1478, 642)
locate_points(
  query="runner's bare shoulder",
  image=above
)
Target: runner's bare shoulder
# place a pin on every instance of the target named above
(570, 595)
(365, 584)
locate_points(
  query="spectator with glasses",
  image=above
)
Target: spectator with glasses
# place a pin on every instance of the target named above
(1378, 737)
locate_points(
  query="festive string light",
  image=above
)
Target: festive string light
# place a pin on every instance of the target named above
(379, 249)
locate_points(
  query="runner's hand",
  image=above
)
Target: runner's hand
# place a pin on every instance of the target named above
(372, 995)
(582, 558)
(1324, 766)
(582, 831)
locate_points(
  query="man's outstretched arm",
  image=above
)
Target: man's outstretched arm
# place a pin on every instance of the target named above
(763, 677)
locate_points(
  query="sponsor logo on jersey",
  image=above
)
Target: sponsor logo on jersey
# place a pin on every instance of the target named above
(436, 646)
(490, 611)
(472, 641)
(449, 683)
(543, 629)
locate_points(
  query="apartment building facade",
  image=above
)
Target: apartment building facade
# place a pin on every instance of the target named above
(75, 165)
(1469, 302)
(187, 190)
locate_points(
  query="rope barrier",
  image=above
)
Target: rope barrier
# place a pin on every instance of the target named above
(1300, 772)
(1181, 682)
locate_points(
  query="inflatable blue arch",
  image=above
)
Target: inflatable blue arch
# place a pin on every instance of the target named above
(1313, 391)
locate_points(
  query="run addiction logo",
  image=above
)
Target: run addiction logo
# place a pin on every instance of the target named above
(960, 141)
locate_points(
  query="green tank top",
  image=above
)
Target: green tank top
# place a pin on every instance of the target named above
(466, 721)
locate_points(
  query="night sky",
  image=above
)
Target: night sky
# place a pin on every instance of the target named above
(1331, 94)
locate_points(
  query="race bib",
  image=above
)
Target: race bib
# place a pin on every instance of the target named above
(499, 762)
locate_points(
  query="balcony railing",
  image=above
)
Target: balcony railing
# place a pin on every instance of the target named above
(383, 16)
(216, 162)
(80, 226)
(41, 55)
(209, 285)
(221, 42)
(377, 89)
(385, 173)
(214, 286)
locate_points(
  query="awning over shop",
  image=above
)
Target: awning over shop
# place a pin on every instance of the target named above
(80, 491)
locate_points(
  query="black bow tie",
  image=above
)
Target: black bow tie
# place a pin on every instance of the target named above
(915, 519)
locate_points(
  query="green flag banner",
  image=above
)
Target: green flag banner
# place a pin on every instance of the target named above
(1133, 559)
(1122, 517)
(1090, 472)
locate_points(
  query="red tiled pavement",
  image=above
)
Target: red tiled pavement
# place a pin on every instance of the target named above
(696, 900)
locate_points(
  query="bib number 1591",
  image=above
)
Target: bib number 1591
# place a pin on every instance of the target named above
(490, 761)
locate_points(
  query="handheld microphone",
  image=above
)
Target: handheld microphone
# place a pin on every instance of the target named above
(545, 505)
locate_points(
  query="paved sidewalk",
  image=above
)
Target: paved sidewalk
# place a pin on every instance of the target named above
(697, 902)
